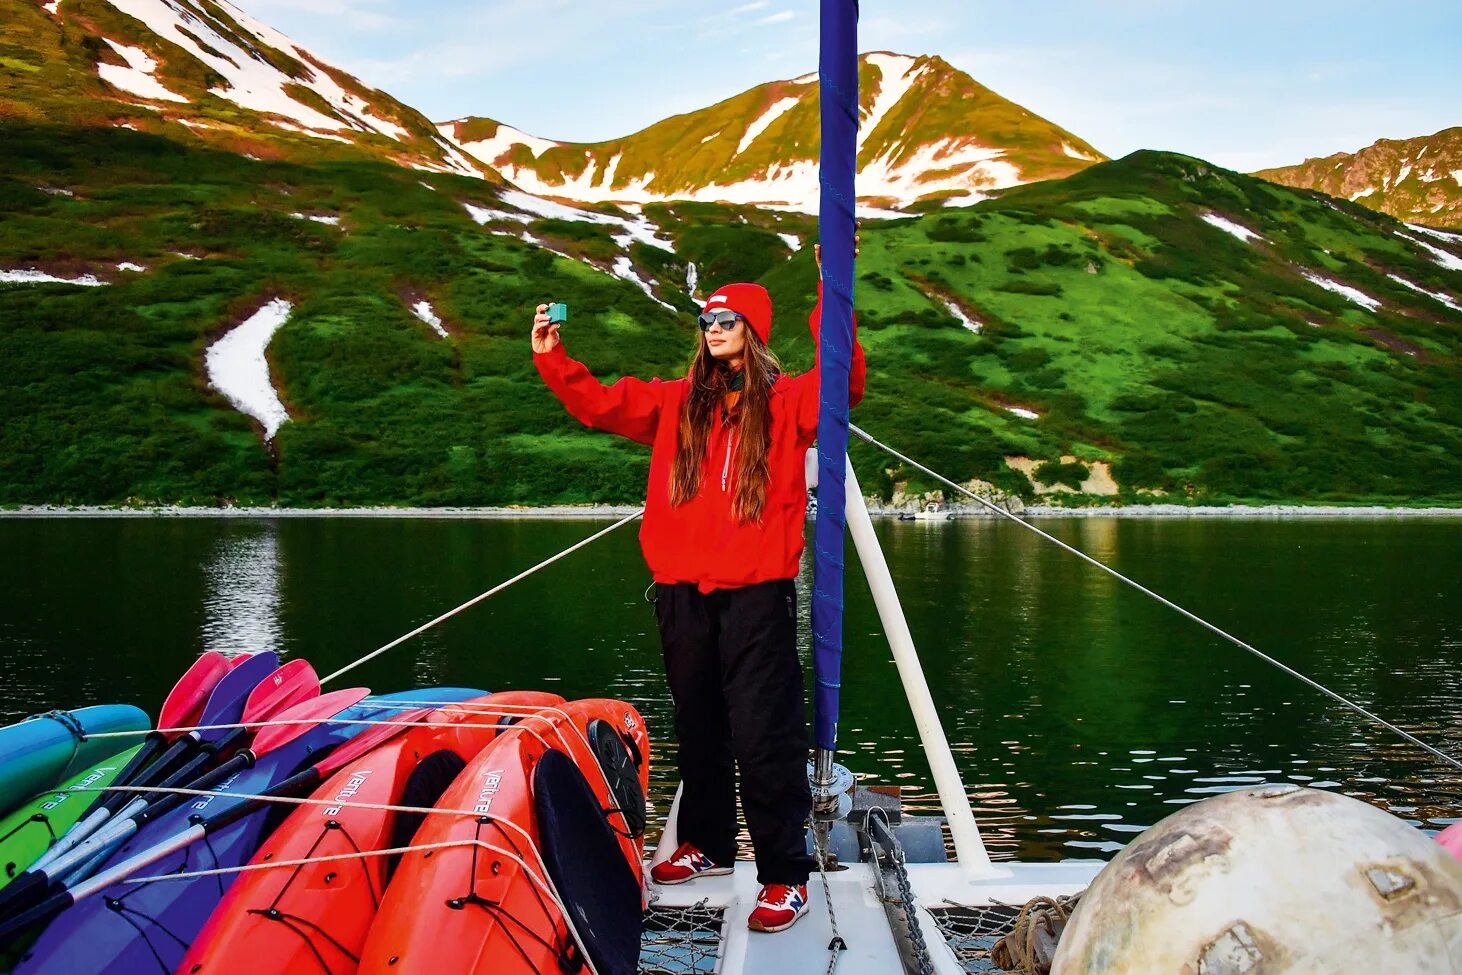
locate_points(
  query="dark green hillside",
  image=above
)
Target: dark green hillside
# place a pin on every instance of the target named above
(1194, 363)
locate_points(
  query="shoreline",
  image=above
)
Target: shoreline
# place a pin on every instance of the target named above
(958, 513)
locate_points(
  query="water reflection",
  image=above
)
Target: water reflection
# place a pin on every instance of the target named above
(1079, 713)
(242, 597)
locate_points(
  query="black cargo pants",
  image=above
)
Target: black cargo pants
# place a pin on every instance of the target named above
(731, 660)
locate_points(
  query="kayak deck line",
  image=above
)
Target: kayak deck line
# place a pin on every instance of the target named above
(354, 855)
(526, 711)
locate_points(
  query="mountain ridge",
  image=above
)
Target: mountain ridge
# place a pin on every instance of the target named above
(1417, 179)
(204, 70)
(931, 134)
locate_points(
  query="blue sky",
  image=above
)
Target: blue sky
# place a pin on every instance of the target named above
(1244, 84)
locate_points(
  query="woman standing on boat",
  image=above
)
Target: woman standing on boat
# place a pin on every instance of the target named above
(723, 535)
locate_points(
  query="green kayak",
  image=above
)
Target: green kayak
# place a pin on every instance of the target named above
(28, 831)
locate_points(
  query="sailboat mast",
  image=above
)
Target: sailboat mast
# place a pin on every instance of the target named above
(838, 74)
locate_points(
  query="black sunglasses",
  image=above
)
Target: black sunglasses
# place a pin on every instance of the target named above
(724, 317)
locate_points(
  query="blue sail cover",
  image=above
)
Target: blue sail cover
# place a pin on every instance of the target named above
(838, 71)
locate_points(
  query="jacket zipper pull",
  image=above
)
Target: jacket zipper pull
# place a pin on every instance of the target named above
(726, 467)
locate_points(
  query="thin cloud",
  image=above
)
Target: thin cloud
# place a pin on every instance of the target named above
(747, 8)
(780, 17)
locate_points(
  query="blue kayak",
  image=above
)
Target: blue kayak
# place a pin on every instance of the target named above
(39, 752)
(144, 928)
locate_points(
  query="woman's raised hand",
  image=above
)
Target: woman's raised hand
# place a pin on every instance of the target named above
(545, 336)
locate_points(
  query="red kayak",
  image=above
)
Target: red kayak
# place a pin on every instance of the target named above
(314, 917)
(553, 831)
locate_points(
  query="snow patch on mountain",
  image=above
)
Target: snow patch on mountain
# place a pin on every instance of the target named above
(1229, 227)
(759, 125)
(489, 150)
(624, 268)
(710, 137)
(1362, 194)
(318, 218)
(280, 123)
(129, 266)
(237, 368)
(966, 164)
(692, 278)
(1069, 150)
(1023, 413)
(1438, 234)
(486, 215)
(34, 276)
(634, 228)
(135, 77)
(587, 187)
(792, 241)
(52, 7)
(960, 315)
(1355, 295)
(1440, 296)
(424, 311)
(897, 76)
(1446, 259)
(250, 81)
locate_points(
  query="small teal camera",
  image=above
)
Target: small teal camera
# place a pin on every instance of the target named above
(558, 313)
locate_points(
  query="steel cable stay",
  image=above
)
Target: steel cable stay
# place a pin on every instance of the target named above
(1212, 628)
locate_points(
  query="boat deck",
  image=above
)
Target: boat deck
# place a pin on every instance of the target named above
(706, 920)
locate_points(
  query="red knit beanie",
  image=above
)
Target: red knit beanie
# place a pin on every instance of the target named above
(751, 302)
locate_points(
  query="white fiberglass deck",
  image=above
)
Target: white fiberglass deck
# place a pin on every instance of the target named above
(862, 922)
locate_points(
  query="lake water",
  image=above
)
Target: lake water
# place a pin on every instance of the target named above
(1080, 711)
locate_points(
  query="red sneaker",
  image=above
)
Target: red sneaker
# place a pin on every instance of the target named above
(688, 863)
(778, 907)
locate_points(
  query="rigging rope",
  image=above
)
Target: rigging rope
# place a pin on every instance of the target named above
(479, 598)
(1377, 719)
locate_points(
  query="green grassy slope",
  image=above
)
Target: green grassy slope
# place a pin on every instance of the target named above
(1195, 363)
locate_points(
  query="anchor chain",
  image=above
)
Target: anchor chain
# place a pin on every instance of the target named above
(923, 963)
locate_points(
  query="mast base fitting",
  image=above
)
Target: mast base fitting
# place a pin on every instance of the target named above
(831, 796)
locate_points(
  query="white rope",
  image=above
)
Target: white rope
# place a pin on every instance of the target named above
(1165, 601)
(479, 598)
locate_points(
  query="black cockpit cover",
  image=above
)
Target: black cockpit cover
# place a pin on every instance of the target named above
(586, 865)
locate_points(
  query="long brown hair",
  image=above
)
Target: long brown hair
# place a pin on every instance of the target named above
(710, 381)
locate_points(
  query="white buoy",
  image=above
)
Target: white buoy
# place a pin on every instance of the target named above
(1271, 881)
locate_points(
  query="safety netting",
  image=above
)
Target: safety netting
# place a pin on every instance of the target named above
(972, 931)
(681, 940)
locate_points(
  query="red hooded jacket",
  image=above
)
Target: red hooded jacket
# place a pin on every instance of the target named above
(702, 541)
